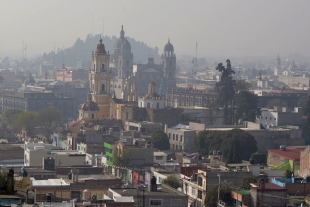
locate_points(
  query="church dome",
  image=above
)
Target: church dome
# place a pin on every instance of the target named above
(29, 81)
(126, 45)
(89, 105)
(100, 47)
(122, 40)
(168, 47)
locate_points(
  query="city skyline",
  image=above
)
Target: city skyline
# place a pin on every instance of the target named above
(224, 28)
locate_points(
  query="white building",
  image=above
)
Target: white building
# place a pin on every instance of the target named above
(152, 99)
(35, 152)
(280, 116)
(160, 157)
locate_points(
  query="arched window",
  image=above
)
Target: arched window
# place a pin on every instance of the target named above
(103, 87)
(92, 115)
(102, 66)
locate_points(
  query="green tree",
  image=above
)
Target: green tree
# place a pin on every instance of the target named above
(2, 177)
(242, 85)
(206, 141)
(48, 120)
(288, 173)
(302, 102)
(8, 116)
(26, 120)
(259, 158)
(172, 182)
(225, 88)
(276, 102)
(234, 155)
(246, 143)
(160, 140)
(246, 103)
(246, 181)
(225, 195)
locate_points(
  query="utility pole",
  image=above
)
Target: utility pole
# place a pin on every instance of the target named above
(218, 190)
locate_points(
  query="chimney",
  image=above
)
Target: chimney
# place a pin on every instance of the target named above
(153, 186)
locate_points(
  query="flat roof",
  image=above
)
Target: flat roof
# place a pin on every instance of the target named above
(160, 154)
(162, 191)
(50, 182)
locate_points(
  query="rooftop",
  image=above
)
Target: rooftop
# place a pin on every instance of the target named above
(269, 186)
(49, 182)
(243, 192)
(290, 153)
(162, 191)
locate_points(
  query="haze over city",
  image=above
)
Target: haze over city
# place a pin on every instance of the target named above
(221, 28)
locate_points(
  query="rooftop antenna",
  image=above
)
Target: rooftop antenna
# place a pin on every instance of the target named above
(54, 54)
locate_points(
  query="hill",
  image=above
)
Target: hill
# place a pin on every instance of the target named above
(81, 51)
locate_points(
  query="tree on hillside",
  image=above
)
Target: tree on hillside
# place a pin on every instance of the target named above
(172, 182)
(302, 102)
(48, 120)
(225, 195)
(225, 88)
(246, 106)
(26, 120)
(276, 102)
(206, 141)
(160, 140)
(246, 182)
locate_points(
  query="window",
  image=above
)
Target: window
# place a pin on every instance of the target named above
(156, 202)
(199, 181)
(158, 105)
(181, 138)
(159, 157)
(199, 194)
(102, 87)
(102, 66)
(92, 115)
(127, 63)
(173, 136)
(148, 105)
(275, 118)
(177, 137)
(169, 135)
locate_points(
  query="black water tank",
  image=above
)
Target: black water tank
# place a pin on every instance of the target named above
(69, 176)
(49, 197)
(153, 180)
(308, 179)
(252, 162)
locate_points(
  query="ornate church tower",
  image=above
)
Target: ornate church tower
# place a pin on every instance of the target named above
(123, 57)
(100, 80)
(130, 92)
(169, 65)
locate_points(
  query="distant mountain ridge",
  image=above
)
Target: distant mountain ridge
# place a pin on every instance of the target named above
(82, 50)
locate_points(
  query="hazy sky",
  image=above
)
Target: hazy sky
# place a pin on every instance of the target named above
(221, 27)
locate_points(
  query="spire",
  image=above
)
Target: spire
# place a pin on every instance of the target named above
(168, 40)
(122, 32)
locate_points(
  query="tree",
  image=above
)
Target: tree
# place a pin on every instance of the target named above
(3, 178)
(234, 156)
(276, 102)
(26, 120)
(160, 140)
(242, 85)
(48, 120)
(246, 182)
(302, 102)
(225, 195)
(288, 173)
(225, 88)
(246, 106)
(172, 182)
(8, 116)
(245, 143)
(259, 158)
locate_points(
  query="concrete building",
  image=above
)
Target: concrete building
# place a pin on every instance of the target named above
(285, 158)
(199, 114)
(181, 139)
(305, 162)
(160, 157)
(268, 194)
(152, 99)
(144, 127)
(163, 196)
(35, 152)
(280, 116)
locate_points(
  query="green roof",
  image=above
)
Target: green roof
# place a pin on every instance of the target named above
(243, 192)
